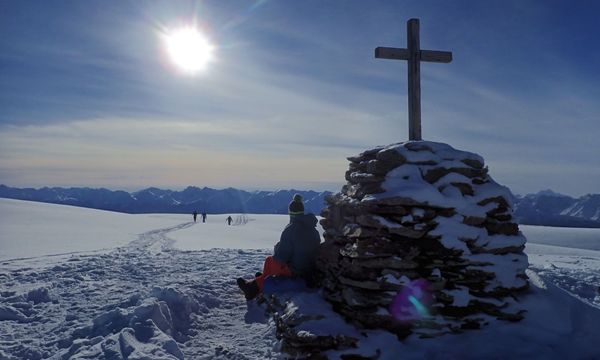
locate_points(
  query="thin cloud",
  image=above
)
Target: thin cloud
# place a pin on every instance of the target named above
(291, 96)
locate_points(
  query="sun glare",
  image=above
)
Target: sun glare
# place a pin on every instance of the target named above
(188, 49)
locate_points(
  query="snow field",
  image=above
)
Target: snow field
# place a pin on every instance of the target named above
(160, 293)
(259, 232)
(578, 238)
(32, 229)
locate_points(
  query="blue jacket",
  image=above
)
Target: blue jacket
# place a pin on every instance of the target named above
(299, 244)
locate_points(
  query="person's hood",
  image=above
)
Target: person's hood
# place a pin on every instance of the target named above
(308, 220)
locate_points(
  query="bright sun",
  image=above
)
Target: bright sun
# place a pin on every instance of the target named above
(188, 49)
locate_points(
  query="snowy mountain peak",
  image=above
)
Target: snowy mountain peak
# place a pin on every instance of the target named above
(550, 208)
(548, 192)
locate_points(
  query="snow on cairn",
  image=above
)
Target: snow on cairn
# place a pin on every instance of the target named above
(422, 240)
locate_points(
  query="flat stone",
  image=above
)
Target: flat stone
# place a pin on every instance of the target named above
(504, 228)
(389, 159)
(464, 188)
(351, 269)
(474, 221)
(368, 220)
(328, 253)
(395, 201)
(368, 285)
(363, 178)
(497, 199)
(418, 146)
(359, 191)
(360, 167)
(504, 250)
(381, 209)
(379, 245)
(356, 231)
(435, 174)
(355, 299)
(351, 190)
(407, 232)
(372, 320)
(394, 263)
(365, 155)
(473, 163)
(501, 216)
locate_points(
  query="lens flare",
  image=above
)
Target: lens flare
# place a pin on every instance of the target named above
(412, 302)
(421, 309)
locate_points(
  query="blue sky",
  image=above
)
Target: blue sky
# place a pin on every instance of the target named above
(88, 96)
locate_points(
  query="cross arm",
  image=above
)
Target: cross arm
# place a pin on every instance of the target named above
(391, 53)
(436, 56)
(403, 54)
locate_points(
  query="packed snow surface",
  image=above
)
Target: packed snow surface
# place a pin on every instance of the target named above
(163, 287)
(31, 229)
(560, 236)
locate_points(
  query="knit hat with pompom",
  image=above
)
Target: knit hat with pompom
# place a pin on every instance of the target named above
(296, 207)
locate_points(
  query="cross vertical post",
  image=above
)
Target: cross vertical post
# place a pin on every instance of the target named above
(414, 55)
(414, 79)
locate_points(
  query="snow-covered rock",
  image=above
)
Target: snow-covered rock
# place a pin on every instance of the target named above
(430, 214)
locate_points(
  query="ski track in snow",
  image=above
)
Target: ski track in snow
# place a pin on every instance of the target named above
(582, 282)
(157, 240)
(82, 306)
(583, 285)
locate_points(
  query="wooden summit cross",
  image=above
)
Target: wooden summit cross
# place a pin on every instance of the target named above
(414, 55)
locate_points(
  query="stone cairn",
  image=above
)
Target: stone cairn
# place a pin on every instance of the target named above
(425, 220)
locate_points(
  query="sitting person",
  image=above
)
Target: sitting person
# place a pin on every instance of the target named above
(294, 254)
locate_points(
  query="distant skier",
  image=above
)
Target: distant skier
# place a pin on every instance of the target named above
(229, 220)
(295, 253)
(203, 217)
(195, 214)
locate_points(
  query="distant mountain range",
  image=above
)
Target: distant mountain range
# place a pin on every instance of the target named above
(543, 208)
(553, 209)
(153, 200)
